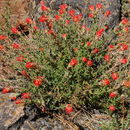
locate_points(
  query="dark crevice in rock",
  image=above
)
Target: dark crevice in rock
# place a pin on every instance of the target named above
(31, 113)
(18, 123)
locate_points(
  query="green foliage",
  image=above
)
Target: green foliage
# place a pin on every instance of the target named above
(56, 54)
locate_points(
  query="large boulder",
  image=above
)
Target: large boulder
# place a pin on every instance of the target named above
(80, 5)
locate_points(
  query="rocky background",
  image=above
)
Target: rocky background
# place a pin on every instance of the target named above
(15, 117)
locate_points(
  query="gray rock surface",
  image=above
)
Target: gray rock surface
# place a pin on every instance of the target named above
(80, 5)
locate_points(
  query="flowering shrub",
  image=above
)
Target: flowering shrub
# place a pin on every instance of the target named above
(69, 63)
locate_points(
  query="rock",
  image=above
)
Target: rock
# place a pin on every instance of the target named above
(114, 6)
(9, 112)
(80, 5)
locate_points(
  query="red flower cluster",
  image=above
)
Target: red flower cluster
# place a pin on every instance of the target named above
(90, 15)
(19, 101)
(57, 17)
(2, 37)
(43, 19)
(95, 50)
(63, 6)
(73, 62)
(14, 30)
(16, 45)
(71, 12)
(88, 43)
(6, 90)
(124, 47)
(124, 61)
(91, 7)
(90, 63)
(26, 95)
(107, 13)
(106, 82)
(107, 58)
(84, 59)
(44, 8)
(124, 21)
(30, 65)
(100, 32)
(115, 76)
(112, 94)
(99, 6)
(112, 108)
(68, 109)
(28, 20)
(37, 82)
(77, 18)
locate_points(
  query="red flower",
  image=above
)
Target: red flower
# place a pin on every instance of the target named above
(99, 33)
(90, 15)
(2, 37)
(88, 43)
(115, 76)
(35, 27)
(124, 61)
(28, 20)
(43, 19)
(89, 62)
(124, 21)
(64, 35)
(68, 109)
(24, 73)
(124, 47)
(14, 30)
(111, 46)
(107, 13)
(112, 94)
(77, 18)
(73, 62)
(67, 22)
(13, 98)
(26, 95)
(16, 45)
(96, 50)
(91, 7)
(107, 58)
(58, 17)
(37, 82)
(126, 29)
(106, 81)
(63, 6)
(112, 108)
(61, 11)
(50, 31)
(19, 101)
(84, 59)
(1, 47)
(5, 90)
(71, 12)
(44, 8)
(20, 58)
(98, 5)
(30, 65)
